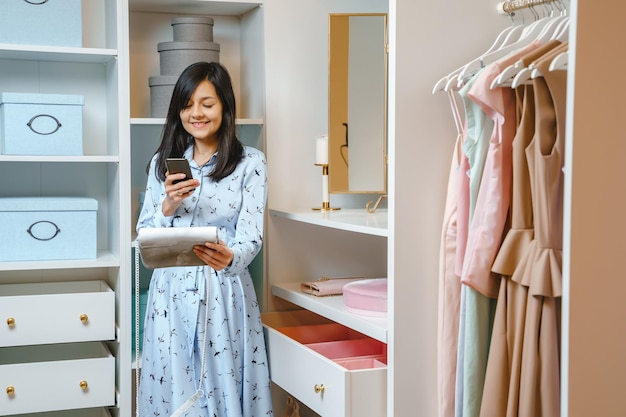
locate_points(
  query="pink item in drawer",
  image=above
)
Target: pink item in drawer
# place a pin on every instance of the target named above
(317, 333)
(343, 349)
(367, 297)
(363, 363)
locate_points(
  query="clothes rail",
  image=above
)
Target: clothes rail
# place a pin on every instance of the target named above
(508, 7)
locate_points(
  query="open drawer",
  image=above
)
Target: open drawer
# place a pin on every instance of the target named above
(56, 312)
(56, 377)
(334, 370)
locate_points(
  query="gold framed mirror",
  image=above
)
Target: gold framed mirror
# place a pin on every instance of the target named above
(357, 119)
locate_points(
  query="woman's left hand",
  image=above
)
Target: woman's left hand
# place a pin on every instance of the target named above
(216, 255)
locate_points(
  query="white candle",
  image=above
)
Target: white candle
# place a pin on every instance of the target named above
(321, 150)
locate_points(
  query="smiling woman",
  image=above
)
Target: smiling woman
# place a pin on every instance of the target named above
(203, 345)
(357, 103)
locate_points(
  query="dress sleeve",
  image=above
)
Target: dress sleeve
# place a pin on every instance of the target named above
(151, 214)
(249, 229)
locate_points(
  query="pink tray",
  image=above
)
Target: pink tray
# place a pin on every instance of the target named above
(343, 349)
(316, 333)
(363, 363)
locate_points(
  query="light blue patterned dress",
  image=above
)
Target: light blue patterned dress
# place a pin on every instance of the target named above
(235, 380)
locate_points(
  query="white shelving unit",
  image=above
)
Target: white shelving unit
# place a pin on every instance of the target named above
(352, 220)
(98, 71)
(56, 53)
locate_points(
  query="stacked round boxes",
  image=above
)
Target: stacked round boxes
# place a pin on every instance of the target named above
(193, 42)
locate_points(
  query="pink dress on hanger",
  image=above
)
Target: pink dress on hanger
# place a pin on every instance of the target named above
(487, 226)
(492, 206)
(449, 293)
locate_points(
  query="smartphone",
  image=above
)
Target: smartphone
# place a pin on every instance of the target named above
(177, 165)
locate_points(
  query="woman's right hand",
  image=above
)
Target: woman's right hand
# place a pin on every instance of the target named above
(176, 191)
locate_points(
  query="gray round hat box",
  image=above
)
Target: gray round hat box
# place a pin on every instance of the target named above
(176, 56)
(193, 42)
(161, 88)
(192, 29)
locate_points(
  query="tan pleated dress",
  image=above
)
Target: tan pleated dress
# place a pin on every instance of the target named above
(502, 380)
(541, 269)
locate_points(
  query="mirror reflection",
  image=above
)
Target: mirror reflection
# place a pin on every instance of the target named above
(357, 103)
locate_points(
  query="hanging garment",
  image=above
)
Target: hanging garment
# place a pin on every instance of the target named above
(501, 393)
(518, 238)
(500, 396)
(487, 225)
(449, 293)
(493, 201)
(541, 269)
(475, 143)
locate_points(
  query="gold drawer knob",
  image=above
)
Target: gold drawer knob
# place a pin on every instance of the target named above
(84, 318)
(319, 388)
(11, 322)
(10, 390)
(84, 385)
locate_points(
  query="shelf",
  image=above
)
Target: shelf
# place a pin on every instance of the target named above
(220, 8)
(59, 158)
(56, 53)
(333, 308)
(353, 220)
(155, 121)
(104, 260)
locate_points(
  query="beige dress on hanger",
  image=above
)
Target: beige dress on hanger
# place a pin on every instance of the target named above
(501, 394)
(541, 270)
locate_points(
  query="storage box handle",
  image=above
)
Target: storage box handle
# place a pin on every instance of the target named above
(36, 3)
(31, 231)
(30, 124)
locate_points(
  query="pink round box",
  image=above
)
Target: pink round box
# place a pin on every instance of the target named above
(367, 297)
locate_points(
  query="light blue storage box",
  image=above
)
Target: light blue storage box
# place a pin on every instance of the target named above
(42, 22)
(41, 124)
(48, 228)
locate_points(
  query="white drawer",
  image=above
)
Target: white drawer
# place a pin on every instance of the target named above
(335, 371)
(85, 412)
(56, 377)
(59, 312)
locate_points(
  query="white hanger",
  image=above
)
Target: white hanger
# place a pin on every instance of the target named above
(520, 74)
(562, 32)
(452, 83)
(506, 36)
(534, 72)
(528, 36)
(506, 74)
(559, 62)
(503, 36)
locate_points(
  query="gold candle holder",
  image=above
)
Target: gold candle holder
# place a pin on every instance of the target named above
(325, 194)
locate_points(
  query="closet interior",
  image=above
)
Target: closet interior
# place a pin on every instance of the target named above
(501, 270)
(438, 52)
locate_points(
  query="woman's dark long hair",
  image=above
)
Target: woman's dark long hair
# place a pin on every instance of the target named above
(175, 139)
